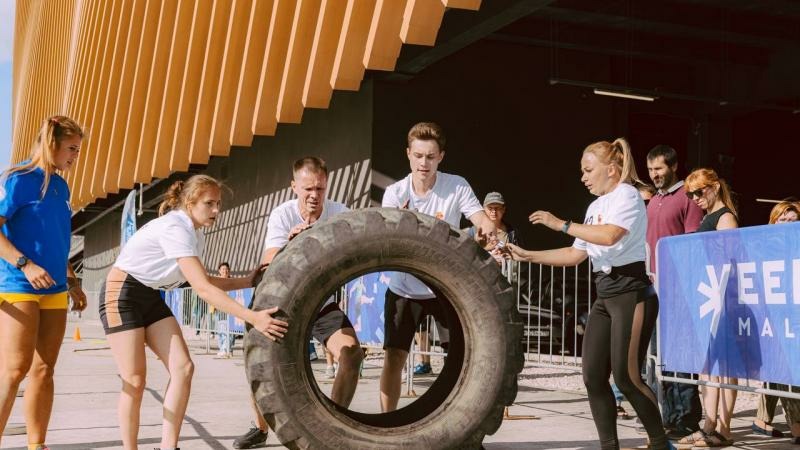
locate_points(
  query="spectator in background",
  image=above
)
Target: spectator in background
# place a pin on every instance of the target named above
(224, 338)
(783, 212)
(494, 205)
(712, 195)
(670, 212)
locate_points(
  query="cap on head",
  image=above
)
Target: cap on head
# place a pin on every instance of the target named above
(494, 198)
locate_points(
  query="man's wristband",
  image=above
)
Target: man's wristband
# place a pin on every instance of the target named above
(565, 227)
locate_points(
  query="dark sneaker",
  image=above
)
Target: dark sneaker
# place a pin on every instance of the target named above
(252, 439)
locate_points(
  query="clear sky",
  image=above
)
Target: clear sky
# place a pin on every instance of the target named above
(6, 50)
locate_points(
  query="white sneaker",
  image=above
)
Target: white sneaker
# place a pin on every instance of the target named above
(222, 354)
(330, 372)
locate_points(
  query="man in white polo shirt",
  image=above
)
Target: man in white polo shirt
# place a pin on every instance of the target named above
(332, 327)
(408, 300)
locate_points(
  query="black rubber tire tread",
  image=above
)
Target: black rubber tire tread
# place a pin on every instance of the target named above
(336, 250)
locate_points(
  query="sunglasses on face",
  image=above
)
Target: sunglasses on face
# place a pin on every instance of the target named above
(696, 193)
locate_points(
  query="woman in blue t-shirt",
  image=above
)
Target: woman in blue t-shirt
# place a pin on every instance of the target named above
(35, 276)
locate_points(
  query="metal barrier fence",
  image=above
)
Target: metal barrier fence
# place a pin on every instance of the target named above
(554, 302)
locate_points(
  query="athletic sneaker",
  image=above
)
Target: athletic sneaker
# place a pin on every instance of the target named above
(330, 372)
(422, 369)
(252, 439)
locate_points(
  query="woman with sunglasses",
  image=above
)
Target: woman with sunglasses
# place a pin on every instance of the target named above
(623, 316)
(712, 195)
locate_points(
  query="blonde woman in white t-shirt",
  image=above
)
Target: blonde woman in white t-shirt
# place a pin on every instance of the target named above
(164, 254)
(625, 311)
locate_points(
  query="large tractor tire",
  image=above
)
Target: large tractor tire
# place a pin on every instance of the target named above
(466, 401)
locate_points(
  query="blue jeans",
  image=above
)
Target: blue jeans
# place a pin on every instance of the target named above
(682, 407)
(224, 338)
(617, 394)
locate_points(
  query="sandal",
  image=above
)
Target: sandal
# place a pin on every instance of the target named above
(622, 414)
(693, 438)
(714, 439)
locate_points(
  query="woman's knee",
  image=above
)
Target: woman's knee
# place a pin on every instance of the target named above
(182, 371)
(41, 371)
(627, 387)
(594, 383)
(13, 376)
(133, 384)
(351, 357)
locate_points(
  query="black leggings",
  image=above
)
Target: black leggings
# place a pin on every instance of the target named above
(616, 341)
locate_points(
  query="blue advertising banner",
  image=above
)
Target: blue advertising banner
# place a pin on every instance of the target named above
(174, 300)
(730, 303)
(242, 296)
(128, 223)
(365, 298)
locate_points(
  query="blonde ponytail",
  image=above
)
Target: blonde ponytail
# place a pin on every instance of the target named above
(618, 154)
(172, 198)
(43, 153)
(627, 167)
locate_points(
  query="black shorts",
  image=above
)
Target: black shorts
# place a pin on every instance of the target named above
(127, 304)
(403, 316)
(329, 320)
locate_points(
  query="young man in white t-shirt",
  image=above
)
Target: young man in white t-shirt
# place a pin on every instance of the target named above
(332, 327)
(446, 197)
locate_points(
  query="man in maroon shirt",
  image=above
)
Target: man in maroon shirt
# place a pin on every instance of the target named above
(671, 212)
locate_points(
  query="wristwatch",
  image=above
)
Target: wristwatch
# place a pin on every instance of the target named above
(21, 261)
(565, 227)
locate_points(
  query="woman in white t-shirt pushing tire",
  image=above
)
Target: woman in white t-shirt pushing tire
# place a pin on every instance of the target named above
(625, 311)
(164, 254)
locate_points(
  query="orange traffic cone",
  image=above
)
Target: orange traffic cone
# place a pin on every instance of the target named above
(77, 335)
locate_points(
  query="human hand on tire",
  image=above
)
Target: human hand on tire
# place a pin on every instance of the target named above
(272, 328)
(254, 276)
(299, 228)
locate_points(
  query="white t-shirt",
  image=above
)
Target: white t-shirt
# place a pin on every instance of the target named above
(151, 255)
(286, 216)
(624, 208)
(450, 197)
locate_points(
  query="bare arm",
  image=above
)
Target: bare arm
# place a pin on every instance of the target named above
(230, 284)
(597, 234)
(36, 275)
(727, 222)
(75, 291)
(566, 256)
(195, 273)
(269, 255)
(594, 234)
(484, 226)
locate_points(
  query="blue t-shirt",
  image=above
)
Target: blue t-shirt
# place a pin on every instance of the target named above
(38, 227)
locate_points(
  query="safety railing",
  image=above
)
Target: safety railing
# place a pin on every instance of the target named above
(554, 304)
